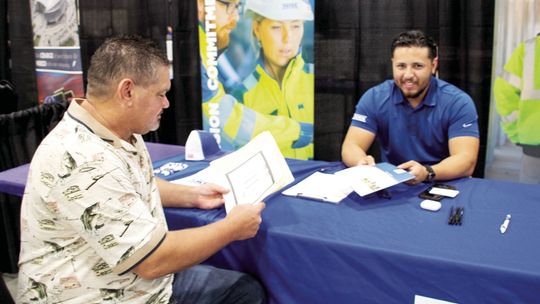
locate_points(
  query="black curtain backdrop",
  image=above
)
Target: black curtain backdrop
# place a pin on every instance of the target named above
(352, 51)
(5, 72)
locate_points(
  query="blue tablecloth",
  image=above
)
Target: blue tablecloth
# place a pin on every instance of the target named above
(377, 250)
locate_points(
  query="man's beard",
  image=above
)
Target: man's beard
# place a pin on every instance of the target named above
(417, 94)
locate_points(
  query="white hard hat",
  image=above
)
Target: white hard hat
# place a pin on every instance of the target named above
(280, 10)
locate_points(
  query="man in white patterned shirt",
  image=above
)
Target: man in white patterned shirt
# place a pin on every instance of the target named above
(92, 222)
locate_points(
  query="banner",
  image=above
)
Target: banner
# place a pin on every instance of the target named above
(57, 51)
(257, 72)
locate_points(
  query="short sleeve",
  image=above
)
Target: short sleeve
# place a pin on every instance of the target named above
(464, 118)
(365, 115)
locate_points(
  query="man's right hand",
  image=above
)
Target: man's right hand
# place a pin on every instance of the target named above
(366, 160)
(246, 220)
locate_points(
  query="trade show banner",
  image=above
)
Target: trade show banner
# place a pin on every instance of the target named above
(257, 72)
(57, 51)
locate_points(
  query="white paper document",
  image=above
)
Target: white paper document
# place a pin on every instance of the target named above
(252, 172)
(202, 177)
(321, 187)
(368, 179)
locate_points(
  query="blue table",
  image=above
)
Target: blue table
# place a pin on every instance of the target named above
(376, 250)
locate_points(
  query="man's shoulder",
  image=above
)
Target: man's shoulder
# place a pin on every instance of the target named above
(382, 91)
(449, 89)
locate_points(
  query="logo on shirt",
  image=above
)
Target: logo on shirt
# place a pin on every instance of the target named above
(466, 125)
(359, 117)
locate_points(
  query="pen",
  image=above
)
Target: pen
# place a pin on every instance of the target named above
(451, 215)
(461, 212)
(505, 224)
(313, 197)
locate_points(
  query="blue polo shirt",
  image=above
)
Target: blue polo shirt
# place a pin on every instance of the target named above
(419, 134)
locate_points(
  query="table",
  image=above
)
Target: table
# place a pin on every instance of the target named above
(376, 250)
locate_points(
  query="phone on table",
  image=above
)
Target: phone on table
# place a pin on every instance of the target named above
(435, 197)
(426, 195)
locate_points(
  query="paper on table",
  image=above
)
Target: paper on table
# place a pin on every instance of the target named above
(252, 172)
(368, 179)
(322, 187)
(202, 177)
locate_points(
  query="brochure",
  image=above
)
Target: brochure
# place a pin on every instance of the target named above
(368, 179)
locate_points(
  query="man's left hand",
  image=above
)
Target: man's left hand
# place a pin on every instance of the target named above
(415, 168)
(209, 196)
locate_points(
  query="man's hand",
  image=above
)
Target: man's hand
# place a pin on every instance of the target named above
(415, 168)
(366, 160)
(246, 219)
(209, 196)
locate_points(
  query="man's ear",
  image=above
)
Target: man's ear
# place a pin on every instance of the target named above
(435, 65)
(125, 89)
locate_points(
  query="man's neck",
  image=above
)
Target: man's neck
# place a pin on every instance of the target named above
(99, 112)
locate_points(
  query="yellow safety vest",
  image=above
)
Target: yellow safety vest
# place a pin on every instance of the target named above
(294, 98)
(517, 94)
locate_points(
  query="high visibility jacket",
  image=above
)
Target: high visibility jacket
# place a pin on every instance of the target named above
(233, 123)
(293, 98)
(517, 94)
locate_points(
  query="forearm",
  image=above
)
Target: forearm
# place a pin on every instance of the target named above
(175, 195)
(182, 249)
(351, 154)
(455, 166)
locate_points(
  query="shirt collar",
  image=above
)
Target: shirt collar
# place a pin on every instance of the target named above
(429, 100)
(78, 113)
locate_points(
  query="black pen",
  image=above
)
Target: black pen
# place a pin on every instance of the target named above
(313, 197)
(461, 212)
(451, 215)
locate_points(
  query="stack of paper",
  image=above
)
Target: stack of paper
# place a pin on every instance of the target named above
(361, 179)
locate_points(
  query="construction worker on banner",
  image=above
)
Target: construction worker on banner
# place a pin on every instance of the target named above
(232, 123)
(282, 83)
(517, 97)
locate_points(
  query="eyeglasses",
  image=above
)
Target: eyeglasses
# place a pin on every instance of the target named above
(231, 7)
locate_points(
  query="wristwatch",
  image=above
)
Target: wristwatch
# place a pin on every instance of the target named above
(430, 174)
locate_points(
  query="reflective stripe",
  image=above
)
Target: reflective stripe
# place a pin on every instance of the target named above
(512, 79)
(510, 118)
(528, 91)
(250, 81)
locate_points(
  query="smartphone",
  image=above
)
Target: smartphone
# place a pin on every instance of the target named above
(444, 186)
(426, 195)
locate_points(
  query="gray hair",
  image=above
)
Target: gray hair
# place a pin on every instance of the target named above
(120, 57)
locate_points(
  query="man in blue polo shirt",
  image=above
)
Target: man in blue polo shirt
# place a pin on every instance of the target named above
(424, 125)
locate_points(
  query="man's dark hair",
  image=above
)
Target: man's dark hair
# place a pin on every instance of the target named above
(120, 57)
(415, 38)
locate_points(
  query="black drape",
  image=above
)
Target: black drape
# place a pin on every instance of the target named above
(23, 66)
(5, 72)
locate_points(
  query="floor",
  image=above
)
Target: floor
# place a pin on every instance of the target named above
(11, 283)
(505, 166)
(506, 163)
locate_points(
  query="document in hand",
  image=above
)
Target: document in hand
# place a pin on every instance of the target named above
(368, 179)
(252, 172)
